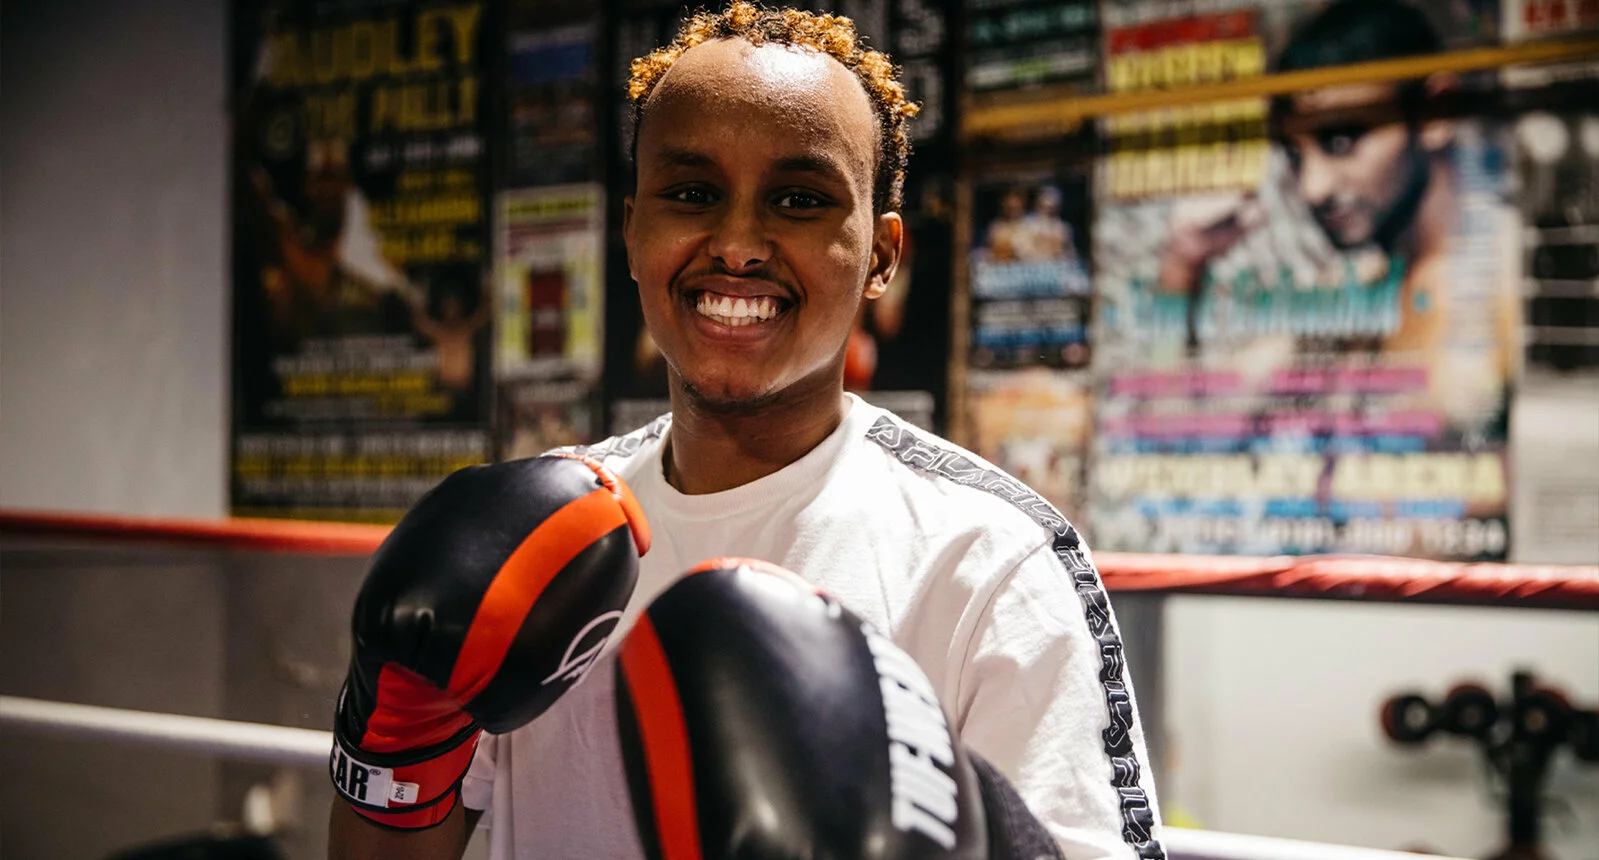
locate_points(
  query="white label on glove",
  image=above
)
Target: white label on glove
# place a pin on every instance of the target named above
(404, 792)
(366, 784)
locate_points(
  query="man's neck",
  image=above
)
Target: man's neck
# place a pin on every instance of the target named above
(709, 451)
(1429, 234)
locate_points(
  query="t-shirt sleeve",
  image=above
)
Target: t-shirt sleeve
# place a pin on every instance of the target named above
(477, 788)
(1044, 696)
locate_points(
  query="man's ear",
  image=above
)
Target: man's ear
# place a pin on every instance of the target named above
(888, 240)
(627, 233)
(1438, 131)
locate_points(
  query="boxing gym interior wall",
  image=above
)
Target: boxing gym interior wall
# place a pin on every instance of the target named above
(115, 251)
(113, 329)
(114, 357)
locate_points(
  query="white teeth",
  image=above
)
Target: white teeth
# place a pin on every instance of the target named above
(736, 312)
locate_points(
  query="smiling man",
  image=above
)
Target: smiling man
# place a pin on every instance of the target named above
(770, 152)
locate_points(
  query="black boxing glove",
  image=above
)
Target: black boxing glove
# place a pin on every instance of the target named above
(1014, 833)
(490, 599)
(760, 719)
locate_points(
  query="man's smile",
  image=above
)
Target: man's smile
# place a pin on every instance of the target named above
(732, 311)
(735, 302)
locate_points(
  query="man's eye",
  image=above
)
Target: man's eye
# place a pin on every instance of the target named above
(1339, 142)
(799, 200)
(691, 196)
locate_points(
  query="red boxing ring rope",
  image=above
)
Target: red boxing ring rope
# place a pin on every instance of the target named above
(1354, 577)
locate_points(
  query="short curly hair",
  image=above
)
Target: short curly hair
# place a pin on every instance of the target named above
(833, 35)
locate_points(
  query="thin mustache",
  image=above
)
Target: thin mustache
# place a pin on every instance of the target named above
(1335, 207)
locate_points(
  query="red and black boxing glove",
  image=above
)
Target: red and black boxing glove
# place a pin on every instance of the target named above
(760, 719)
(491, 598)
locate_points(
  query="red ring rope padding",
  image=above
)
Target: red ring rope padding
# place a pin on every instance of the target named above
(1356, 577)
(1376, 578)
(296, 536)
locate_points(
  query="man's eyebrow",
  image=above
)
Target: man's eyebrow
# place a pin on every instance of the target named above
(672, 156)
(824, 167)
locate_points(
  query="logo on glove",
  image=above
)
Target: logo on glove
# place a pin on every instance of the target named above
(574, 663)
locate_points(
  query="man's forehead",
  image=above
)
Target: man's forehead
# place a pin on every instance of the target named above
(720, 62)
(807, 91)
(1345, 105)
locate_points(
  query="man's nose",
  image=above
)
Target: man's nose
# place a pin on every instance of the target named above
(740, 241)
(1317, 182)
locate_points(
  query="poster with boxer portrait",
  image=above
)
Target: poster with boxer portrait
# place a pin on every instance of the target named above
(1186, 148)
(1312, 366)
(1029, 274)
(1300, 305)
(1455, 24)
(362, 303)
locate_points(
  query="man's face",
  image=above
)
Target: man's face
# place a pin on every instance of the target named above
(450, 308)
(327, 176)
(752, 236)
(1357, 162)
(1013, 205)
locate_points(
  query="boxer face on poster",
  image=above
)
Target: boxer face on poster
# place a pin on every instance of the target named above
(1363, 155)
(754, 234)
(1361, 171)
(1371, 165)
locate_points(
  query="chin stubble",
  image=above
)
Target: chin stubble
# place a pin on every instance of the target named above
(732, 407)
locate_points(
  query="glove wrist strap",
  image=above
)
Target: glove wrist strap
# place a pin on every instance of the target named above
(407, 794)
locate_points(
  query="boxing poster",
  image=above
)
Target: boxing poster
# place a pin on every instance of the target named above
(537, 415)
(1035, 425)
(1321, 363)
(1526, 20)
(549, 275)
(553, 97)
(1017, 44)
(1186, 148)
(1029, 282)
(1449, 24)
(362, 303)
(549, 272)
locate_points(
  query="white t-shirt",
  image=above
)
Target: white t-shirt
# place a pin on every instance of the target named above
(963, 567)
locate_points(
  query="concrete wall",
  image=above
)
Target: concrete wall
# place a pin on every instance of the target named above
(242, 636)
(1272, 720)
(113, 242)
(129, 633)
(192, 632)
